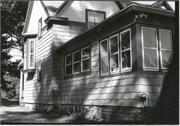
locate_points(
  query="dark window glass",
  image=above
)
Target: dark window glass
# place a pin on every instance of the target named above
(86, 65)
(86, 53)
(104, 63)
(114, 63)
(166, 58)
(114, 44)
(165, 39)
(94, 18)
(104, 48)
(126, 59)
(77, 67)
(68, 60)
(149, 37)
(150, 58)
(125, 40)
(76, 56)
(68, 70)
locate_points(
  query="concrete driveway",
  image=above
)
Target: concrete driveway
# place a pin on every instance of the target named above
(12, 113)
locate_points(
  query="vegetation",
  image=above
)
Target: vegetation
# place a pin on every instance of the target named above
(13, 15)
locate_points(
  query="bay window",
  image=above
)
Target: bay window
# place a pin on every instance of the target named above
(115, 54)
(157, 48)
(78, 62)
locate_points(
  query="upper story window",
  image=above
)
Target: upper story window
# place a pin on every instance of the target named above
(94, 17)
(157, 48)
(29, 54)
(115, 53)
(40, 28)
(77, 61)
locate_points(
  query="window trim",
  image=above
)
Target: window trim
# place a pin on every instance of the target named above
(150, 68)
(118, 52)
(93, 11)
(160, 47)
(121, 51)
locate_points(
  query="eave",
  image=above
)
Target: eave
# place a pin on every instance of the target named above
(132, 7)
(53, 18)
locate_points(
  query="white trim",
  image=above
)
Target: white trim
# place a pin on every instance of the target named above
(117, 53)
(75, 62)
(164, 48)
(150, 68)
(102, 74)
(129, 49)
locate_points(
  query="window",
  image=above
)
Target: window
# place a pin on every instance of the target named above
(78, 62)
(40, 28)
(165, 48)
(29, 54)
(94, 17)
(115, 53)
(153, 55)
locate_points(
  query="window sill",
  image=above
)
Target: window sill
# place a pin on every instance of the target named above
(78, 75)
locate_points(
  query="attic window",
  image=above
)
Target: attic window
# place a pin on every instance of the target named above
(94, 17)
(40, 28)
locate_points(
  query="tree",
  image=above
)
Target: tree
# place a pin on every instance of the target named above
(13, 15)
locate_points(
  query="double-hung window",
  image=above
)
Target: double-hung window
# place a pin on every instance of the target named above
(29, 54)
(157, 48)
(78, 61)
(115, 53)
(94, 17)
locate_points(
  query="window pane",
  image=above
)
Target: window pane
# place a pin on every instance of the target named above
(114, 44)
(91, 24)
(86, 53)
(32, 46)
(126, 59)
(165, 37)
(104, 48)
(98, 17)
(68, 60)
(125, 39)
(150, 58)
(76, 56)
(86, 65)
(68, 70)
(149, 37)
(31, 60)
(114, 63)
(77, 67)
(91, 17)
(104, 64)
(166, 58)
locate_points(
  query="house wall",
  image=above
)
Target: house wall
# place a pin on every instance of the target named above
(75, 10)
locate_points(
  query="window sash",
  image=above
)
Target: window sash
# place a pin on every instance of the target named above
(86, 59)
(75, 62)
(67, 65)
(126, 50)
(150, 48)
(31, 62)
(163, 48)
(104, 56)
(116, 68)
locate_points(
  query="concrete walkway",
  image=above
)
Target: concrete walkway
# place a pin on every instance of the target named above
(12, 113)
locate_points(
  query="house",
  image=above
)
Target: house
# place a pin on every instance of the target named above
(111, 55)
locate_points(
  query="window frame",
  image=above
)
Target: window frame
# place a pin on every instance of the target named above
(93, 11)
(121, 51)
(80, 61)
(29, 63)
(160, 46)
(142, 41)
(103, 74)
(118, 53)
(25, 55)
(68, 64)
(85, 59)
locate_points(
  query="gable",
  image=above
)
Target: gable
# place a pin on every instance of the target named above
(75, 10)
(35, 12)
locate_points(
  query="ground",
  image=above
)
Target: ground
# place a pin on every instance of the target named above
(12, 113)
